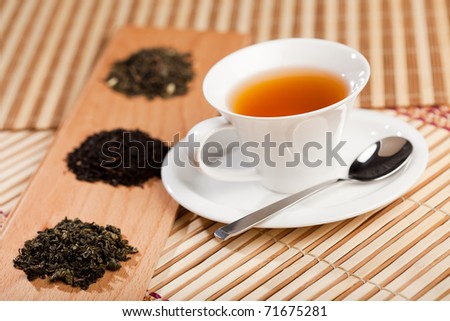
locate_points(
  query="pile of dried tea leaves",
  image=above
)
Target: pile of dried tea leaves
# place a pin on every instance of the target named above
(74, 252)
(118, 157)
(152, 72)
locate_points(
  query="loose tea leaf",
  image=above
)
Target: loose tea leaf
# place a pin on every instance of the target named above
(74, 252)
(118, 157)
(152, 72)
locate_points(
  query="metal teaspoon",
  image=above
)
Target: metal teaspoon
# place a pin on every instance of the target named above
(377, 161)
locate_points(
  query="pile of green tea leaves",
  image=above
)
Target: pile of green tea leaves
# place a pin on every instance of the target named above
(152, 72)
(74, 252)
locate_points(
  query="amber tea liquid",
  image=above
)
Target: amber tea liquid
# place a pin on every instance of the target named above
(288, 92)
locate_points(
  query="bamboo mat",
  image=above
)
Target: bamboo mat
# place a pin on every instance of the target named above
(48, 47)
(399, 252)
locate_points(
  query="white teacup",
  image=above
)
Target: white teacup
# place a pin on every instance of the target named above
(276, 169)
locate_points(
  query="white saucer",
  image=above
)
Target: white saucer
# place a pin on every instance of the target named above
(227, 201)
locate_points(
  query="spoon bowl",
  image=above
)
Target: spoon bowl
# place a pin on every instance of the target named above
(381, 159)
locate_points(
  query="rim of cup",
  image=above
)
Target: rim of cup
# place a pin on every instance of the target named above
(351, 95)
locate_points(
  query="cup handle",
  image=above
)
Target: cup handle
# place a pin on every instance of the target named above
(200, 134)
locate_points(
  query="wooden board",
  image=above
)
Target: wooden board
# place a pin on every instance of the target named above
(145, 215)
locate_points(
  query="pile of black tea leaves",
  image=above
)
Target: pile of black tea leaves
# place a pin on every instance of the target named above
(118, 157)
(153, 72)
(74, 252)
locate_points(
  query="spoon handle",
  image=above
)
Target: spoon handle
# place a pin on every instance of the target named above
(248, 221)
